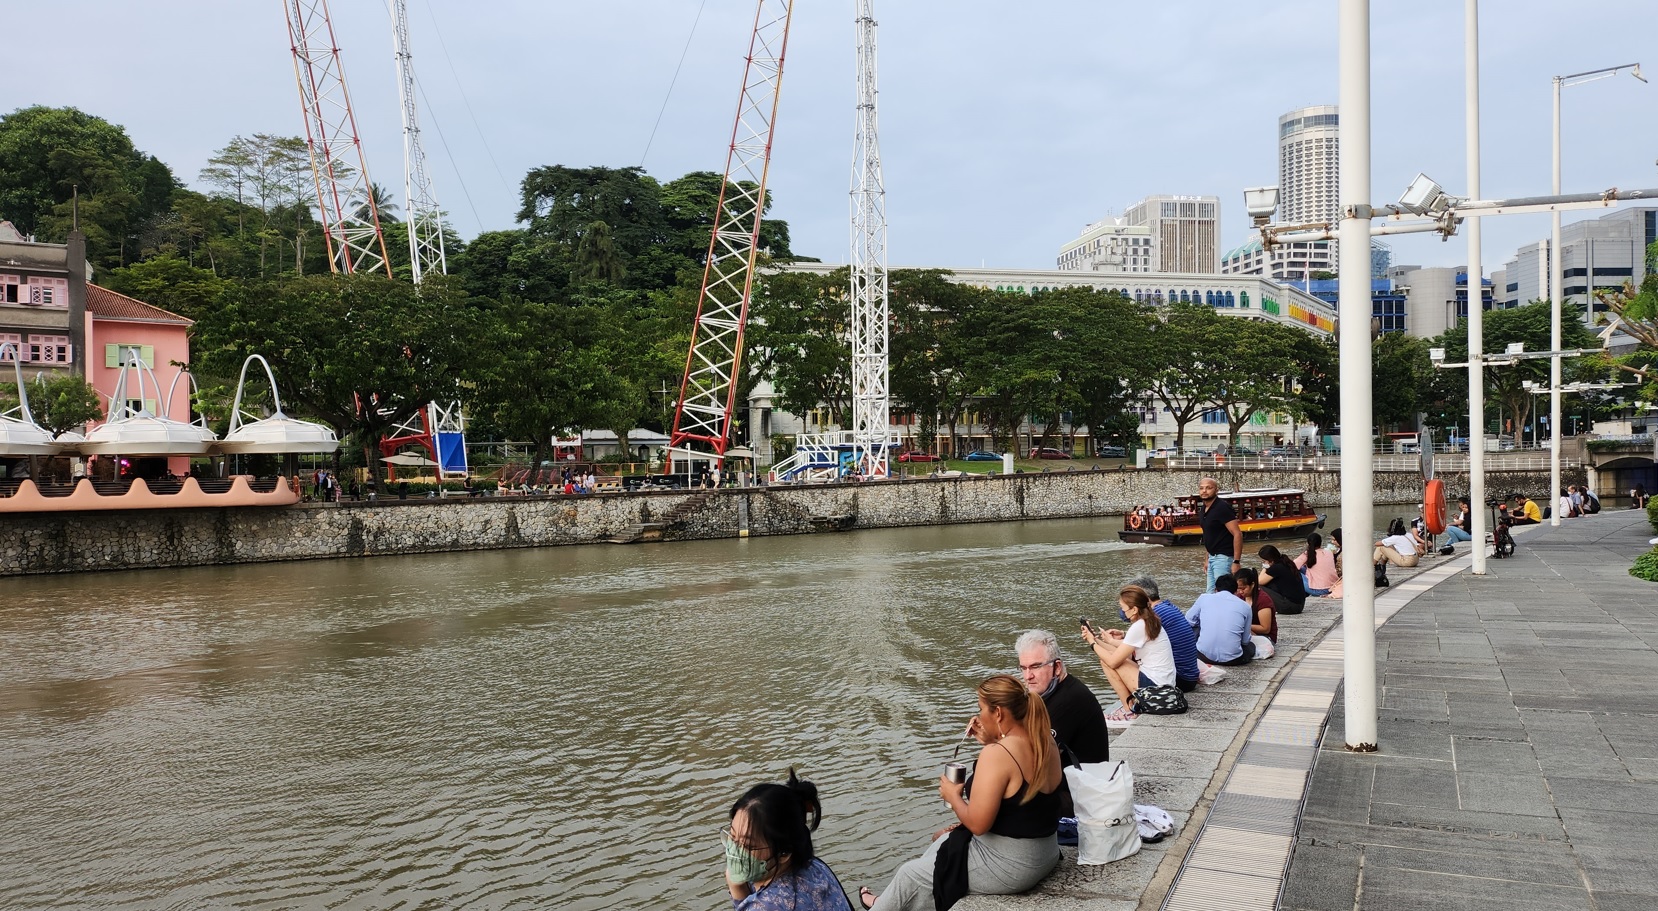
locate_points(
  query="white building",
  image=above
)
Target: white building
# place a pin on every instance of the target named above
(1112, 245)
(1299, 261)
(1309, 156)
(1600, 254)
(1185, 232)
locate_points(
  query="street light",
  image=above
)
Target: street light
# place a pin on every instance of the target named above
(1557, 282)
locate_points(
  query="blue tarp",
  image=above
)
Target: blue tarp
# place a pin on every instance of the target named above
(452, 452)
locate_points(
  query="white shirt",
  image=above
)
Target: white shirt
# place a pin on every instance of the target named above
(1565, 508)
(1155, 657)
(1401, 543)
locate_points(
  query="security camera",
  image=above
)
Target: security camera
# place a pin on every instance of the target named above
(1261, 203)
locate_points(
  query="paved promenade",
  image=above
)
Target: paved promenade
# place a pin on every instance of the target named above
(1519, 742)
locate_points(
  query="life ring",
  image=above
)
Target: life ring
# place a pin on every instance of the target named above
(1135, 520)
(1159, 523)
(1434, 508)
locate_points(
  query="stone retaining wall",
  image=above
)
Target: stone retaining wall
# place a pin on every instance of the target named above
(76, 542)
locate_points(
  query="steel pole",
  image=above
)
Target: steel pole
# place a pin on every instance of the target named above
(1358, 606)
(1557, 293)
(1476, 294)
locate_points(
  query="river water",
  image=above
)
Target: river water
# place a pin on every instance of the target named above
(554, 728)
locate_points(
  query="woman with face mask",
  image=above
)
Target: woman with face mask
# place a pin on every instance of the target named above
(1005, 840)
(769, 862)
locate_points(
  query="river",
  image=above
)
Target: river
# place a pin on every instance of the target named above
(555, 728)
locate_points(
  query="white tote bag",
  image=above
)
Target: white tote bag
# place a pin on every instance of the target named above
(1104, 796)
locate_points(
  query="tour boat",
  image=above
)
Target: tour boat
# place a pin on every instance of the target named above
(1264, 513)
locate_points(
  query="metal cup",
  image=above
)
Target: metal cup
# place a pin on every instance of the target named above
(955, 772)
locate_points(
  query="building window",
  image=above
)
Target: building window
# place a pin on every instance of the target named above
(49, 349)
(121, 355)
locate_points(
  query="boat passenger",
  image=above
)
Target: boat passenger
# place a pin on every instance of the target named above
(1182, 641)
(1138, 657)
(769, 861)
(1281, 581)
(1005, 838)
(1221, 620)
(1263, 617)
(1318, 567)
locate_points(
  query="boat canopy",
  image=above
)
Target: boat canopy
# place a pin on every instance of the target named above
(277, 433)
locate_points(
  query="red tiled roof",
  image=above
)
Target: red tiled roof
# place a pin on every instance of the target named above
(103, 302)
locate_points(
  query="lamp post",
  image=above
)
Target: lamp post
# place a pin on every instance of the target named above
(1476, 284)
(1557, 283)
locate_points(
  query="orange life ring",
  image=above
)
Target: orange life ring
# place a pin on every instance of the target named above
(1159, 523)
(1433, 507)
(1135, 520)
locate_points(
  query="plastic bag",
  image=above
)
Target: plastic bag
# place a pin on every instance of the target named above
(1210, 674)
(1263, 647)
(1104, 796)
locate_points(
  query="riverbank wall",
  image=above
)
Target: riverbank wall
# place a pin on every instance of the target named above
(84, 541)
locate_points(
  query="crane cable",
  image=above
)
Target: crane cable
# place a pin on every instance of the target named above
(672, 82)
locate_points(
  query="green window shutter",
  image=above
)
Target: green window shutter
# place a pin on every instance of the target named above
(149, 405)
(112, 355)
(147, 354)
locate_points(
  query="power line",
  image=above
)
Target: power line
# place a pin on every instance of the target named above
(672, 82)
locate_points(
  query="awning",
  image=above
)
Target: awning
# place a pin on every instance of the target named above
(24, 438)
(277, 433)
(409, 460)
(144, 434)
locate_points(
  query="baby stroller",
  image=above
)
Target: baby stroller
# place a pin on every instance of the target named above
(1502, 540)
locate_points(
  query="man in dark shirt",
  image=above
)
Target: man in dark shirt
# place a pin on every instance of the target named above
(1077, 719)
(1222, 535)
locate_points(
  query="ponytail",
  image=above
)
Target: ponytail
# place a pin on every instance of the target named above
(806, 792)
(1009, 693)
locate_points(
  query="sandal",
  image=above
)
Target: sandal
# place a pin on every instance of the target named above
(867, 897)
(1121, 718)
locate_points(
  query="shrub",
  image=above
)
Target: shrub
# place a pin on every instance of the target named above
(1646, 566)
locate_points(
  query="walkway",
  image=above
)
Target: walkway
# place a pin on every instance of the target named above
(1519, 748)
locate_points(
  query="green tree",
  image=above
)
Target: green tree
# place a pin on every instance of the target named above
(1505, 385)
(58, 403)
(927, 375)
(47, 155)
(798, 335)
(1636, 309)
(1400, 378)
(170, 283)
(1185, 344)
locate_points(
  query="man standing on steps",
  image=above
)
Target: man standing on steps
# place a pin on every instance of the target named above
(1222, 535)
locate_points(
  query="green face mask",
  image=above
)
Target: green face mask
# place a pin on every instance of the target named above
(742, 866)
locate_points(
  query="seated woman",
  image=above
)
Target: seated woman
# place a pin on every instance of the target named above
(1318, 567)
(769, 863)
(1462, 527)
(1005, 840)
(1281, 581)
(1263, 615)
(1141, 656)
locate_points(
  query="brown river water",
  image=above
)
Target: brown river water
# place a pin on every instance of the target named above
(554, 728)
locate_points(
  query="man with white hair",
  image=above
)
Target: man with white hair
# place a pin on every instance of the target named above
(1075, 713)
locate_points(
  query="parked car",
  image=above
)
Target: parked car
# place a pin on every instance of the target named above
(1049, 452)
(1109, 451)
(983, 455)
(916, 455)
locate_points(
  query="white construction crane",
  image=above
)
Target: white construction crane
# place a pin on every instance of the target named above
(425, 224)
(871, 402)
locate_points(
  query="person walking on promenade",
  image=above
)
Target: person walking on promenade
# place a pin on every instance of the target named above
(1005, 838)
(1182, 640)
(1222, 533)
(769, 861)
(1221, 620)
(1318, 567)
(1136, 658)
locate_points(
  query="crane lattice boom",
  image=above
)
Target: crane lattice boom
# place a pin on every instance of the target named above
(426, 253)
(871, 403)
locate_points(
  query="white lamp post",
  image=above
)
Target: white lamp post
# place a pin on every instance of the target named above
(1557, 285)
(1476, 287)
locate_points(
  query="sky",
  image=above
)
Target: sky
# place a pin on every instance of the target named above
(1005, 128)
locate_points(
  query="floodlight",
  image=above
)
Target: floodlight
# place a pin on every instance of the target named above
(1636, 72)
(1437, 355)
(1261, 203)
(1515, 348)
(1424, 197)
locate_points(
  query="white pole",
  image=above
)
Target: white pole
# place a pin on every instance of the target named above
(1557, 291)
(1476, 294)
(1357, 466)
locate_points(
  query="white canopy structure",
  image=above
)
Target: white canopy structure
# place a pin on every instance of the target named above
(277, 433)
(21, 436)
(139, 433)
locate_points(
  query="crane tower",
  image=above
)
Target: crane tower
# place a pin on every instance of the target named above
(707, 393)
(426, 252)
(871, 403)
(345, 207)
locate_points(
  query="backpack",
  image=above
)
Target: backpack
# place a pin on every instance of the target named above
(1591, 503)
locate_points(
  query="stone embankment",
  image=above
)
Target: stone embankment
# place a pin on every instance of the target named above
(77, 542)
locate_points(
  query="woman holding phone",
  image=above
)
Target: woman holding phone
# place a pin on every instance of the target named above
(1139, 657)
(1005, 837)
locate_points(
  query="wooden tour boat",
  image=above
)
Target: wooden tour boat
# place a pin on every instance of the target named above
(1265, 513)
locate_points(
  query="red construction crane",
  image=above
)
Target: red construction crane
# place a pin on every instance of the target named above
(707, 394)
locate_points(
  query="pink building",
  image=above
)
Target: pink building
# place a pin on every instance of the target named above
(117, 327)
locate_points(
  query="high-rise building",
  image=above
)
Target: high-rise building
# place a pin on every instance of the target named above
(1599, 254)
(1112, 245)
(1309, 157)
(1185, 232)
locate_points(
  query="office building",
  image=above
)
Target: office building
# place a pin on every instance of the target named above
(1599, 254)
(1184, 231)
(1112, 245)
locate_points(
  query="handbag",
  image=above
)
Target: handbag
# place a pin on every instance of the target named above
(1104, 796)
(1163, 699)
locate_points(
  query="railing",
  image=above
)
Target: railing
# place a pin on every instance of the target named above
(1512, 460)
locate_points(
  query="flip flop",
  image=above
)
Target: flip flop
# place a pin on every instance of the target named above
(866, 897)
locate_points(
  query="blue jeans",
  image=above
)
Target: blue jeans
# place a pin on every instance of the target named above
(1315, 592)
(1219, 565)
(1457, 535)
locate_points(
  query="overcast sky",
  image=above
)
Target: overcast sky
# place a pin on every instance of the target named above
(1004, 127)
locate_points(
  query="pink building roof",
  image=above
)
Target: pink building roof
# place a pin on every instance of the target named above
(103, 303)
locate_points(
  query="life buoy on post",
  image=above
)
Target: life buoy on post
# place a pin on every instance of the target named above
(1159, 523)
(1135, 520)
(1433, 507)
